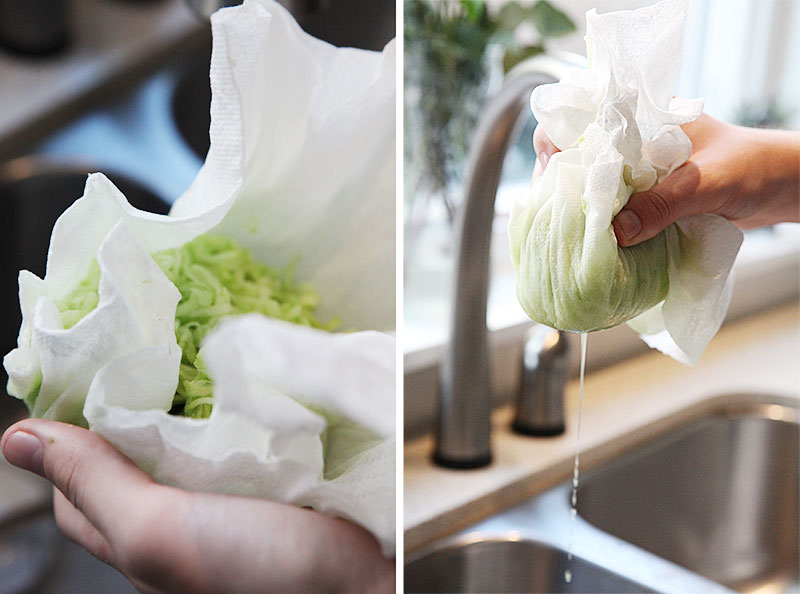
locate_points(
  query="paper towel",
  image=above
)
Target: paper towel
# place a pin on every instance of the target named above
(618, 127)
(301, 171)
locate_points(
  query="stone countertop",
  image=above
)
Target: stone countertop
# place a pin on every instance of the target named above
(114, 45)
(622, 404)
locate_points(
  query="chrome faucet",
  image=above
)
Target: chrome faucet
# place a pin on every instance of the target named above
(465, 391)
(540, 401)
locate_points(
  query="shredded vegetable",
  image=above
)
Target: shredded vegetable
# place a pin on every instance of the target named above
(216, 278)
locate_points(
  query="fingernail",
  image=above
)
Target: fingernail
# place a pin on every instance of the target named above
(24, 450)
(543, 158)
(628, 223)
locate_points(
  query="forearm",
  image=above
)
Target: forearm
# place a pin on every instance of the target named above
(773, 179)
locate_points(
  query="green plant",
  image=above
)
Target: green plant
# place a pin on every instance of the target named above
(446, 75)
(549, 21)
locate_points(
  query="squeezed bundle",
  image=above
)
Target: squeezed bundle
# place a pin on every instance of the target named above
(618, 127)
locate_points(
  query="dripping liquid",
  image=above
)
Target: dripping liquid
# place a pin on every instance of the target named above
(576, 467)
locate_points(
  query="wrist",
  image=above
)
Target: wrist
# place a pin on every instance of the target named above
(776, 167)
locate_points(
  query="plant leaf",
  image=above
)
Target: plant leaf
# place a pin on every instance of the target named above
(550, 21)
(474, 9)
(510, 16)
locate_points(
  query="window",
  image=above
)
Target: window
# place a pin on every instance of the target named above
(740, 56)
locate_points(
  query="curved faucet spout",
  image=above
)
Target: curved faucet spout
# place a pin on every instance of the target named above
(463, 430)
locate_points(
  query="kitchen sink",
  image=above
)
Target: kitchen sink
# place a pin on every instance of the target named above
(718, 495)
(508, 563)
(704, 501)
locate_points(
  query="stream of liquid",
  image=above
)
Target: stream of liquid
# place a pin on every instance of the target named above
(576, 468)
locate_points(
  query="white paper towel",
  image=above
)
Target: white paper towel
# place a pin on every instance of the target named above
(300, 170)
(618, 127)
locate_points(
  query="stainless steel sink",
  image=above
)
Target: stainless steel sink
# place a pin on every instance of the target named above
(706, 501)
(718, 495)
(526, 549)
(508, 563)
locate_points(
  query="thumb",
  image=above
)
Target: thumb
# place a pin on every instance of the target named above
(647, 213)
(92, 475)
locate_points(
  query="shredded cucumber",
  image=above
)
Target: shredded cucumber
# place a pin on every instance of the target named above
(216, 278)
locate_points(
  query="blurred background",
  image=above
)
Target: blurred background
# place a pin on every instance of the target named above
(118, 86)
(740, 55)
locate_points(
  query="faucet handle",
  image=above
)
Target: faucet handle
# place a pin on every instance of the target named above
(540, 402)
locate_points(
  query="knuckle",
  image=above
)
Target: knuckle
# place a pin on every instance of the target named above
(658, 211)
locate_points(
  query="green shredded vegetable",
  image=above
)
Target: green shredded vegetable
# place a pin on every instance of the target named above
(82, 300)
(216, 278)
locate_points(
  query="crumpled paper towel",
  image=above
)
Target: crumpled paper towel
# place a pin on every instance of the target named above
(618, 126)
(300, 170)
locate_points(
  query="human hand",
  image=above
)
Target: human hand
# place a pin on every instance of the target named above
(164, 539)
(749, 176)
(544, 149)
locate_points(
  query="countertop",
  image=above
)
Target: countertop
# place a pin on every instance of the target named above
(759, 354)
(114, 45)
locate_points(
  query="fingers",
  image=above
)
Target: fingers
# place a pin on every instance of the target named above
(647, 213)
(544, 149)
(542, 143)
(78, 529)
(102, 500)
(96, 479)
(167, 540)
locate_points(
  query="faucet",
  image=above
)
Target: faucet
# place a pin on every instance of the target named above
(462, 439)
(540, 401)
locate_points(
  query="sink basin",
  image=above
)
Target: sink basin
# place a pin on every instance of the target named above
(706, 502)
(717, 495)
(508, 564)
